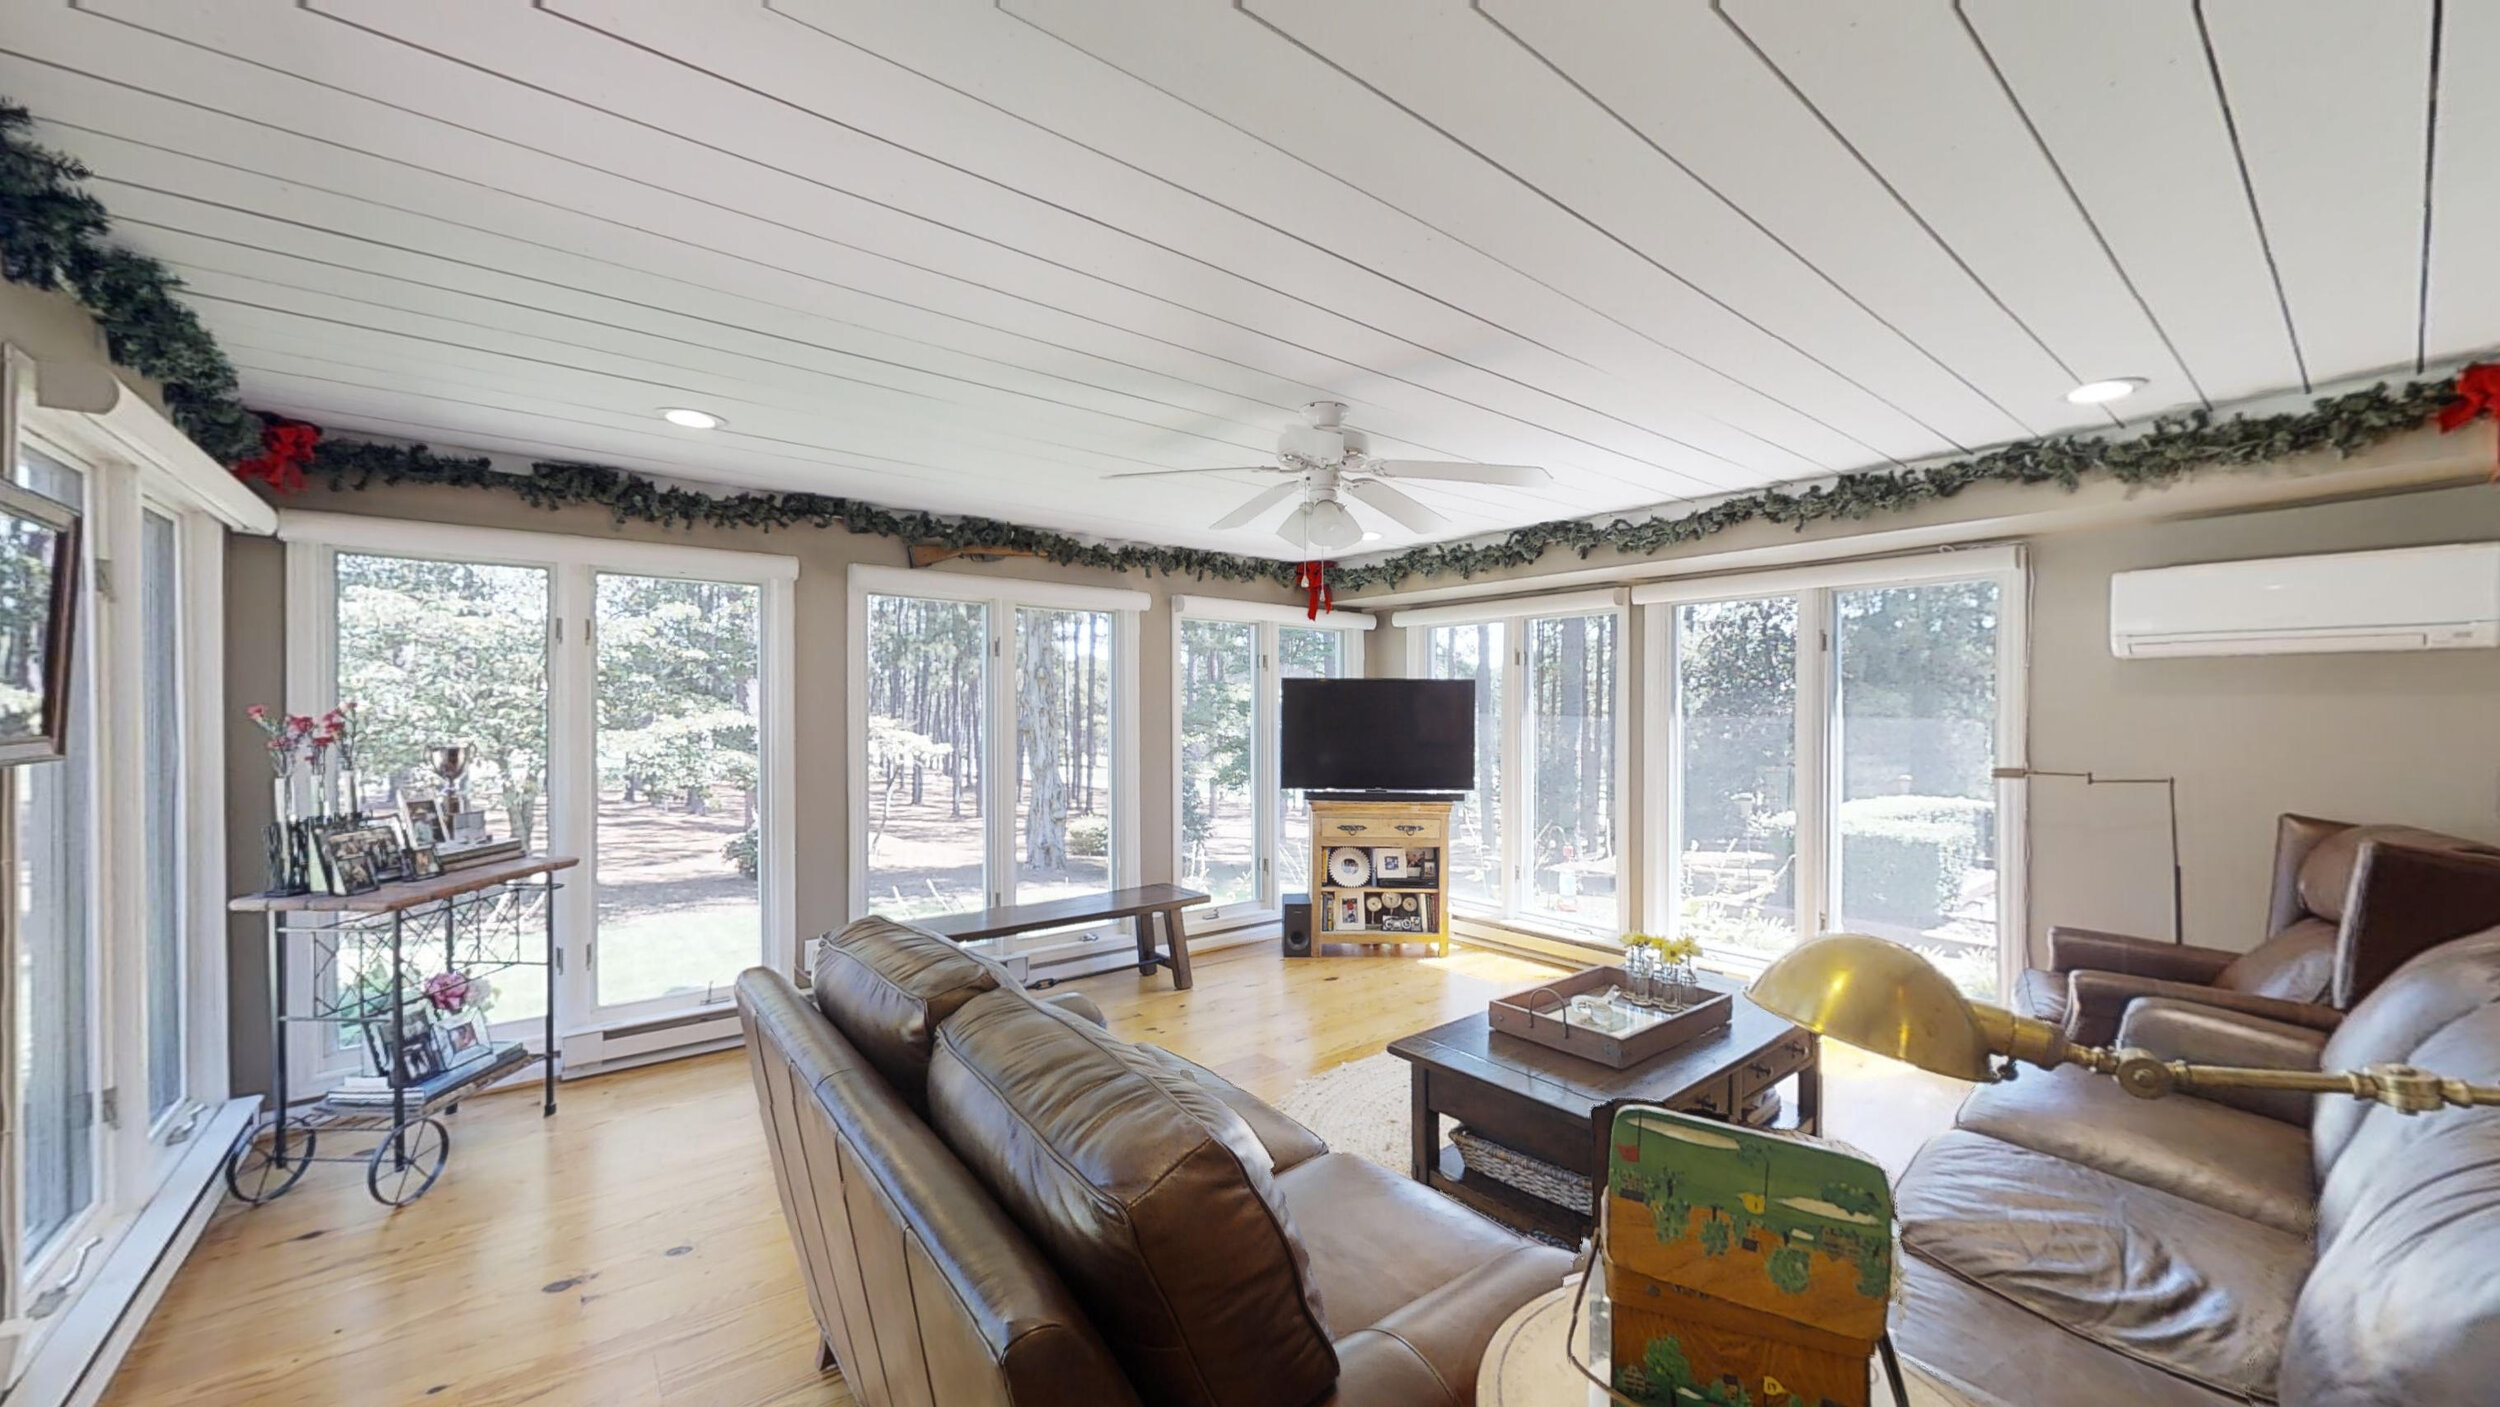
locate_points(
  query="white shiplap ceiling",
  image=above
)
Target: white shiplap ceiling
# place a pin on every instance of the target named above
(973, 257)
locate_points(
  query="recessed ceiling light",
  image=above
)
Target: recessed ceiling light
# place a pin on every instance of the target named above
(1371, 537)
(2117, 388)
(692, 419)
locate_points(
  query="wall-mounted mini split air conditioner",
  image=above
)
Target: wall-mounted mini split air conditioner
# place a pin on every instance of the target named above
(2413, 598)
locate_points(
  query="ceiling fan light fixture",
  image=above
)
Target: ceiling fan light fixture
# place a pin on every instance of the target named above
(1331, 526)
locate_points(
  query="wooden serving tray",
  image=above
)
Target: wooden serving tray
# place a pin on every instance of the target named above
(1537, 1015)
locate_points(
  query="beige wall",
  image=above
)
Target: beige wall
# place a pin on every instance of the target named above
(255, 616)
(2411, 737)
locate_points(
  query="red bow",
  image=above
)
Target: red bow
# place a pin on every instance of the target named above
(1313, 578)
(286, 446)
(2478, 395)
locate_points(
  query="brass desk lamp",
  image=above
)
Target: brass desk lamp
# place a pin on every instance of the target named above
(1884, 998)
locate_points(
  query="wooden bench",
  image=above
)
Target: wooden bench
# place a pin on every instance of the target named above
(1141, 906)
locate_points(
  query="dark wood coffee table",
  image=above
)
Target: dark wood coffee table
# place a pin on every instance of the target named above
(1559, 1108)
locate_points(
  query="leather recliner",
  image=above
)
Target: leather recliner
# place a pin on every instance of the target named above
(997, 1204)
(2068, 1244)
(2351, 904)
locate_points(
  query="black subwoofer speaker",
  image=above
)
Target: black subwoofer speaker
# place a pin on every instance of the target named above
(1297, 925)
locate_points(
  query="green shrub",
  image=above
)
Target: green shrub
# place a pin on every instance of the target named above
(741, 851)
(1089, 835)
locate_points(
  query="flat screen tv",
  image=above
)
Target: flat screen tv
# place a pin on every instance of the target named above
(1379, 735)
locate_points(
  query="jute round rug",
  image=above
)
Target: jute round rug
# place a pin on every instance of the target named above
(1360, 1107)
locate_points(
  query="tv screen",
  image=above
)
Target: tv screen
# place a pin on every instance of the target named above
(1379, 735)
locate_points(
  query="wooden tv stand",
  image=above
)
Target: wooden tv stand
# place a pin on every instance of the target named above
(1416, 888)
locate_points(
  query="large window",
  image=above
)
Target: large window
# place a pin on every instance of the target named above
(1830, 737)
(619, 702)
(1243, 837)
(991, 744)
(1540, 839)
(117, 868)
(56, 933)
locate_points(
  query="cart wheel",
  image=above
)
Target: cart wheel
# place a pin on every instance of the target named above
(256, 1174)
(406, 1162)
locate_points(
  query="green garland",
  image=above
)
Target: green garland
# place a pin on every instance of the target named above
(2172, 449)
(52, 235)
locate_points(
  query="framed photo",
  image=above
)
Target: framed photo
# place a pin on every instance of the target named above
(358, 859)
(423, 816)
(1348, 912)
(38, 619)
(423, 863)
(419, 1059)
(460, 1037)
(1389, 865)
(469, 825)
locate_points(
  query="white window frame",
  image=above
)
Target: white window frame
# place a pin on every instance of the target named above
(573, 564)
(1513, 615)
(65, 1310)
(1266, 905)
(1818, 724)
(1002, 597)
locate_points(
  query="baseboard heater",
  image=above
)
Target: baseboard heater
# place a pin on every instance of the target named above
(621, 1047)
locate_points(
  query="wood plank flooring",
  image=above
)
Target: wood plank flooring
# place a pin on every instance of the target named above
(631, 1249)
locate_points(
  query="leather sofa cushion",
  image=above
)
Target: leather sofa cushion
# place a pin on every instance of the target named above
(1288, 1144)
(2390, 1024)
(1380, 1241)
(1151, 1197)
(2295, 965)
(2325, 883)
(1968, 1337)
(2402, 1305)
(2230, 1159)
(2041, 993)
(887, 987)
(2140, 1271)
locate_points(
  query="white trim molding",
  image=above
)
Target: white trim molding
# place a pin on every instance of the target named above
(1551, 603)
(929, 585)
(401, 537)
(101, 420)
(1269, 612)
(1954, 564)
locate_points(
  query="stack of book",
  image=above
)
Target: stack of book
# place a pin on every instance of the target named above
(478, 852)
(373, 1091)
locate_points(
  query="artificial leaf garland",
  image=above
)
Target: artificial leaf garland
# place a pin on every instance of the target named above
(52, 236)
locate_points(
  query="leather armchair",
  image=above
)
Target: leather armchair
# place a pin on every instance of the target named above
(2351, 904)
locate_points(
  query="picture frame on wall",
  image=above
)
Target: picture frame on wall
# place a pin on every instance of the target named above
(39, 562)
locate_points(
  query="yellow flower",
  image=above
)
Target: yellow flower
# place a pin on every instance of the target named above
(1752, 1201)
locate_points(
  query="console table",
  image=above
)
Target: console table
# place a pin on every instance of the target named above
(1391, 877)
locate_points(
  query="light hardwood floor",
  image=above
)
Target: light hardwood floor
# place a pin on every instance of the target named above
(631, 1249)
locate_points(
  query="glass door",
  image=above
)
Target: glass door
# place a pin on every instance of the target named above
(1475, 651)
(1571, 855)
(1220, 763)
(677, 820)
(927, 690)
(1915, 702)
(1735, 774)
(1064, 782)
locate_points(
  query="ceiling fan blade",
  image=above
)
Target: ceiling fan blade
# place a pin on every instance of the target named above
(1410, 512)
(1257, 505)
(1515, 475)
(1223, 469)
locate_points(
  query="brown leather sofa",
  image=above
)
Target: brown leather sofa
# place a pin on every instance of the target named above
(2068, 1243)
(2351, 904)
(995, 1202)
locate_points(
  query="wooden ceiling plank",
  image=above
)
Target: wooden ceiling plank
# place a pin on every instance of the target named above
(1963, 161)
(2122, 95)
(2332, 102)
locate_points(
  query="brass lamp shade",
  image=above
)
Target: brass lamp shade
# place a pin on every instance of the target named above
(1880, 997)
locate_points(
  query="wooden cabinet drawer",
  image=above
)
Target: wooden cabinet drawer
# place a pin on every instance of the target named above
(1381, 830)
(1774, 1065)
(1712, 1099)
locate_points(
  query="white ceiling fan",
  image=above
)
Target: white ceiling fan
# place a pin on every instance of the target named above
(1326, 460)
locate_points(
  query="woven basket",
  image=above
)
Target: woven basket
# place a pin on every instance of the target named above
(1534, 1176)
